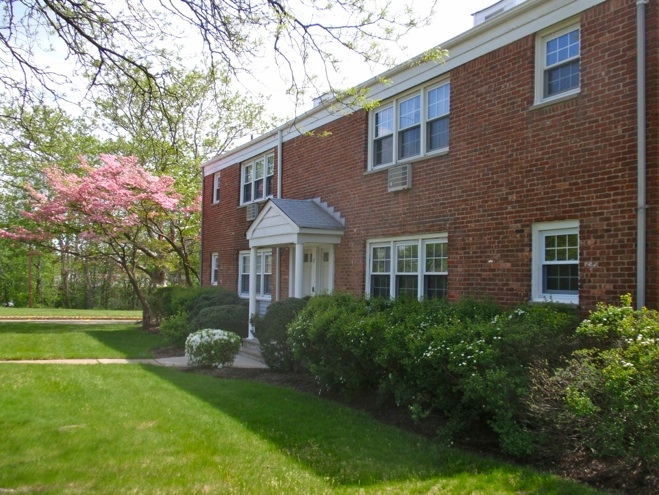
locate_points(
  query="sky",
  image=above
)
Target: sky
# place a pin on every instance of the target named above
(452, 18)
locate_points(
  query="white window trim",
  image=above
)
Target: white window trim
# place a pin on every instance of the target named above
(246, 254)
(215, 268)
(216, 188)
(540, 58)
(537, 253)
(392, 243)
(394, 103)
(252, 163)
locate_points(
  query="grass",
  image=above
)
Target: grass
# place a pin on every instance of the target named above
(49, 340)
(68, 313)
(142, 429)
(108, 429)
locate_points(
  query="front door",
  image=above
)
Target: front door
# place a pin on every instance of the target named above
(316, 276)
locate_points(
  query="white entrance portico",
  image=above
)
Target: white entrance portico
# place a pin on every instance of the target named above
(310, 229)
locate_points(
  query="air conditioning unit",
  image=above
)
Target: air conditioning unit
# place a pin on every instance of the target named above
(252, 211)
(400, 177)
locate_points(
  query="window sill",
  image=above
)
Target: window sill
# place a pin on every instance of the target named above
(557, 298)
(258, 298)
(556, 99)
(415, 159)
(258, 201)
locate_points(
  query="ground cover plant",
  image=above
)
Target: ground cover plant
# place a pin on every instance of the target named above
(143, 429)
(54, 340)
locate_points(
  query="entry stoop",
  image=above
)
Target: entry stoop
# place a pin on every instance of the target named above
(252, 349)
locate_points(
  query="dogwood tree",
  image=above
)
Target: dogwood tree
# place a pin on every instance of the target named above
(119, 212)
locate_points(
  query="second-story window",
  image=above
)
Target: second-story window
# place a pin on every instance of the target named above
(558, 63)
(216, 188)
(256, 181)
(411, 126)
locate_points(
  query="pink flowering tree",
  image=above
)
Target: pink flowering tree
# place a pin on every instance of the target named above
(119, 212)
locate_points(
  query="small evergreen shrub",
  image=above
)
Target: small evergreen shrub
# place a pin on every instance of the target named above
(271, 331)
(605, 401)
(176, 329)
(211, 347)
(217, 297)
(166, 302)
(232, 317)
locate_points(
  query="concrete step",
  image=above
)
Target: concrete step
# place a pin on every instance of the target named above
(251, 348)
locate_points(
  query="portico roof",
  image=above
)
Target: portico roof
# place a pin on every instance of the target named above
(295, 221)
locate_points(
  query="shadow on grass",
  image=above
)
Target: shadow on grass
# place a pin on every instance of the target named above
(352, 449)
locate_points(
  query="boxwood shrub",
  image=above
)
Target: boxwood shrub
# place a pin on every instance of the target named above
(231, 317)
(271, 330)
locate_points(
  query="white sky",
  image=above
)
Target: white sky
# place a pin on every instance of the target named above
(452, 18)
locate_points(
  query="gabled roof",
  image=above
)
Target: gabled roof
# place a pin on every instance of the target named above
(295, 221)
(307, 214)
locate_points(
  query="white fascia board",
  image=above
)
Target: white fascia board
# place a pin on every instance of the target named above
(525, 19)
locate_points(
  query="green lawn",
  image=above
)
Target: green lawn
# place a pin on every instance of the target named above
(50, 340)
(67, 313)
(115, 429)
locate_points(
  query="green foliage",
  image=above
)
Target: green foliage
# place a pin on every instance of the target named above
(212, 347)
(469, 360)
(605, 402)
(271, 331)
(169, 301)
(231, 317)
(176, 329)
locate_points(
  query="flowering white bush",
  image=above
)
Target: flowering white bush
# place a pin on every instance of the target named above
(211, 347)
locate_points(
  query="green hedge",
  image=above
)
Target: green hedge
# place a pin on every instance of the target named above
(470, 361)
(271, 332)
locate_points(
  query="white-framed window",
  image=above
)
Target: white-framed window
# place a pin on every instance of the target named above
(411, 126)
(263, 273)
(558, 62)
(256, 179)
(216, 188)
(215, 268)
(555, 253)
(410, 266)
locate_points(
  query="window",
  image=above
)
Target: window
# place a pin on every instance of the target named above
(263, 273)
(419, 268)
(556, 262)
(216, 188)
(558, 63)
(256, 180)
(215, 268)
(411, 126)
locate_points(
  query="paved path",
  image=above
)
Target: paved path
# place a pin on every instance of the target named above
(241, 361)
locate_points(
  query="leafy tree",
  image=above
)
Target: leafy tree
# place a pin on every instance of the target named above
(136, 35)
(117, 212)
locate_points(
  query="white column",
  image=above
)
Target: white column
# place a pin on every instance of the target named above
(330, 282)
(291, 271)
(299, 269)
(252, 291)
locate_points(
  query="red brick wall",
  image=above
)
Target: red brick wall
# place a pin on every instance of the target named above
(510, 165)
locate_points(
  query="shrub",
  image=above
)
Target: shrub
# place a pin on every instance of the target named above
(217, 297)
(176, 329)
(337, 336)
(468, 360)
(232, 317)
(605, 402)
(166, 302)
(211, 347)
(271, 331)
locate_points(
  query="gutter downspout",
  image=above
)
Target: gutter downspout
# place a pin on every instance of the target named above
(201, 227)
(280, 155)
(641, 237)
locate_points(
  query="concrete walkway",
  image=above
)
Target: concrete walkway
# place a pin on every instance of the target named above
(241, 361)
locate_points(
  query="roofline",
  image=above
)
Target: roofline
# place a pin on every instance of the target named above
(509, 21)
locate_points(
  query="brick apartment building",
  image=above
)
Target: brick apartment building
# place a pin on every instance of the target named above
(513, 170)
